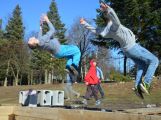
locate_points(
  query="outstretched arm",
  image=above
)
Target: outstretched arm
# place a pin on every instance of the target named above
(51, 27)
(87, 25)
(110, 13)
(103, 33)
(106, 29)
(40, 31)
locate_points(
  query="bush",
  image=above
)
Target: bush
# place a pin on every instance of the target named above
(116, 76)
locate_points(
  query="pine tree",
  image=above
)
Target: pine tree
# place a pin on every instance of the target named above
(0, 23)
(1, 31)
(55, 20)
(15, 29)
(15, 35)
(155, 29)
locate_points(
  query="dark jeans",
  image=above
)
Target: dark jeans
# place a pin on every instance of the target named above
(101, 90)
(92, 90)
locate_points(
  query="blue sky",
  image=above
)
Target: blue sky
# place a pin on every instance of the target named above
(69, 10)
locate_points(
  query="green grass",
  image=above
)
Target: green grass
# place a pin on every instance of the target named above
(117, 95)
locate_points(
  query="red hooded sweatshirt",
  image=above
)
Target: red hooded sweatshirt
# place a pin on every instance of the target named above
(91, 77)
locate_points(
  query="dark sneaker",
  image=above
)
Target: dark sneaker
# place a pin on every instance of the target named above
(145, 88)
(67, 99)
(74, 70)
(138, 92)
(102, 97)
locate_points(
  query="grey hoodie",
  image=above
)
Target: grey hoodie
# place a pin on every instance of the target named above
(115, 30)
(45, 41)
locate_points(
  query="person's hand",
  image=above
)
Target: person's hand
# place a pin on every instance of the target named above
(86, 83)
(41, 22)
(52, 57)
(99, 81)
(82, 21)
(45, 18)
(103, 6)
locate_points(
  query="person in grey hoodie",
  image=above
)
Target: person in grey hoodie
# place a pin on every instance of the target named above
(45, 42)
(146, 62)
(100, 77)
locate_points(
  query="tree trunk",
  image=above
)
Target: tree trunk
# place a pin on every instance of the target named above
(46, 76)
(50, 77)
(125, 60)
(29, 80)
(21, 80)
(31, 77)
(5, 81)
(17, 79)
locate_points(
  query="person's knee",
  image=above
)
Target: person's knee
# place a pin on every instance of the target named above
(156, 61)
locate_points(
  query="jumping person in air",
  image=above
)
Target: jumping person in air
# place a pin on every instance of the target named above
(146, 62)
(91, 80)
(70, 52)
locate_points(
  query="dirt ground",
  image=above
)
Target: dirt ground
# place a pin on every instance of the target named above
(117, 95)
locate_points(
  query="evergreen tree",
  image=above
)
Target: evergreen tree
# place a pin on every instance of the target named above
(15, 35)
(155, 27)
(0, 23)
(155, 40)
(15, 29)
(144, 21)
(1, 31)
(55, 20)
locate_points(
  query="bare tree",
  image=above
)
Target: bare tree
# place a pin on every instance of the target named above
(80, 36)
(103, 60)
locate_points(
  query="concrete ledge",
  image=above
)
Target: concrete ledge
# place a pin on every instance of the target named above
(5, 112)
(44, 113)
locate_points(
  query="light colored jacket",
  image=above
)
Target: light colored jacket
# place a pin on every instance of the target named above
(45, 41)
(115, 30)
(99, 73)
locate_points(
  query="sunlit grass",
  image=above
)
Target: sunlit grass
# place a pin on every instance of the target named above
(117, 95)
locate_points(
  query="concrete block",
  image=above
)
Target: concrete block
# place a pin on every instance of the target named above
(28, 98)
(44, 97)
(58, 98)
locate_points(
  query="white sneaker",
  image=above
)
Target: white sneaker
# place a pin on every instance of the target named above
(68, 99)
(85, 102)
(98, 102)
(78, 95)
(144, 88)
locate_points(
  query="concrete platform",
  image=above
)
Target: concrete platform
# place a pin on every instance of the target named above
(45, 113)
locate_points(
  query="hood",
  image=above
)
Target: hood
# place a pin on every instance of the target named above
(91, 63)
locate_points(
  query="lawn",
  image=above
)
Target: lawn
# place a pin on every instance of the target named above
(117, 95)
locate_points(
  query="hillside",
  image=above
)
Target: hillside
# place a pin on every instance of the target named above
(117, 95)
